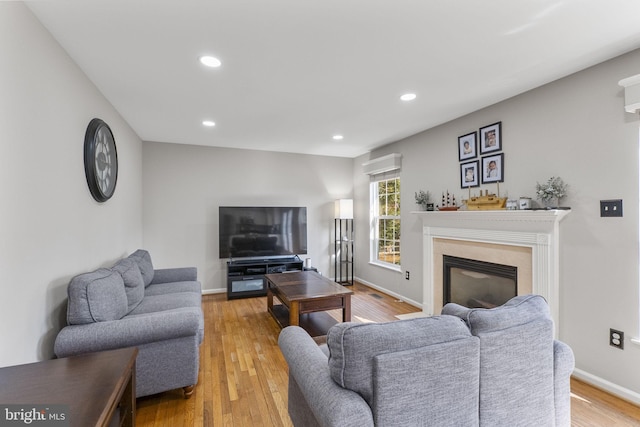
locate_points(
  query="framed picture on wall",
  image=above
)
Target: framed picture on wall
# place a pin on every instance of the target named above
(491, 138)
(467, 146)
(493, 168)
(469, 174)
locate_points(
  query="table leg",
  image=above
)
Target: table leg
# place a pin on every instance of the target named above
(346, 311)
(294, 314)
(128, 401)
(269, 298)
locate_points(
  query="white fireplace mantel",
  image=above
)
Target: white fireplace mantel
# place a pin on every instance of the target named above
(525, 220)
(535, 229)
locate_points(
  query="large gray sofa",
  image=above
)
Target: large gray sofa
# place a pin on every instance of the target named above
(133, 305)
(496, 367)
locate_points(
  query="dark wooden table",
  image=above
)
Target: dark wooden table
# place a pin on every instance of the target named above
(95, 387)
(303, 294)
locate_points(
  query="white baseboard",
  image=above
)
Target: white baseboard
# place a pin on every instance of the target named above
(388, 292)
(214, 291)
(608, 386)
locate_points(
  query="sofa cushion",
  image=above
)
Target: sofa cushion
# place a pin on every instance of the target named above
(133, 282)
(172, 288)
(168, 302)
(156, 303)
(143, 259)
(516, 354)
(96, 297)
(353, 346)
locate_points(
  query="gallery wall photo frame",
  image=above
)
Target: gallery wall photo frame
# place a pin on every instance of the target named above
(491, 138)
(493, 168)
(469, 174)
(467, 146)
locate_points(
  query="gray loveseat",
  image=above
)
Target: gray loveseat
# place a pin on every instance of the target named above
(468, 367)
(133, 305)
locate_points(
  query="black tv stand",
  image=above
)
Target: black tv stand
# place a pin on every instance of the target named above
(243, 261)
(245, 277)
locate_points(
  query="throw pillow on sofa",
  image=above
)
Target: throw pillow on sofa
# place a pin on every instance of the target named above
(143, 259)
(133, 282)
(98, 296)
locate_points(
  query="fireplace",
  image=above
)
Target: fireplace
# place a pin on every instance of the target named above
(478, 284)
(528, 240)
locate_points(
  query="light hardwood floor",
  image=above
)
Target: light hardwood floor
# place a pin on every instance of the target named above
(243, 376)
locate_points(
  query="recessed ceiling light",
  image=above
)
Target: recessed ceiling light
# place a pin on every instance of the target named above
(338, 137)
(408, 97)
(210, 61)
(208, 123)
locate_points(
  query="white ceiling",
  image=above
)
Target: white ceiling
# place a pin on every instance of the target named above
(296, 72)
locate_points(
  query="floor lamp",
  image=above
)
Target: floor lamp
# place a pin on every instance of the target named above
(343, 238)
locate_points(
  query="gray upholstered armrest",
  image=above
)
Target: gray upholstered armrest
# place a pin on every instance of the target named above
(453, 309)
(563, 364)
(130, 331)
(331, 404)
(181, 274)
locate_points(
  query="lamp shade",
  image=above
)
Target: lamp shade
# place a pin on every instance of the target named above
(344, 209)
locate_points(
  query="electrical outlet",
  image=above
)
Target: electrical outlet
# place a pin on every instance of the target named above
(616, 339)
(611, 207)
(406, 275)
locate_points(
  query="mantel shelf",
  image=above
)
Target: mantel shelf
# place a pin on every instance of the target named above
(526, 219)
(501, 215)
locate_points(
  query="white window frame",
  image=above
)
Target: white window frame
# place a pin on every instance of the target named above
(374, 228)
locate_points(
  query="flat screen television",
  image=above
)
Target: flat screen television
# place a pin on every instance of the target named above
(262, 231)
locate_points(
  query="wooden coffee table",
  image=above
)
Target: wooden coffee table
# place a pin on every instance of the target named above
(304, 296)
(94, 388)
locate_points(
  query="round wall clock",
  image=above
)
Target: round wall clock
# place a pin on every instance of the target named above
(100, 160)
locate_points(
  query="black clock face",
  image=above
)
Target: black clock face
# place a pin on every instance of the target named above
(100, 160)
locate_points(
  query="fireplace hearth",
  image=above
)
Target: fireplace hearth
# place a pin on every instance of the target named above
(477, 284)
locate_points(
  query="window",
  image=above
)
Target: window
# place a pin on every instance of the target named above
(385, 224)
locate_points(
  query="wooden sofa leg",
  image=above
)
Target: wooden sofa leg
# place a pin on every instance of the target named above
(188, 391)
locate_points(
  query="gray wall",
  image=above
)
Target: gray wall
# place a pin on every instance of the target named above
(50, 227)
(575, 128)
(184, 185)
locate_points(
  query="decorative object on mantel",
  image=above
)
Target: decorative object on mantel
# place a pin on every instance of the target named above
(424, 199)
(524, 203)
(551, 192)
(448, 203)
(486, 201)
(512, 204)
